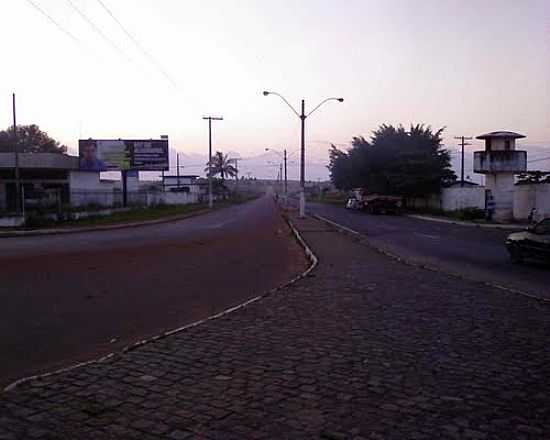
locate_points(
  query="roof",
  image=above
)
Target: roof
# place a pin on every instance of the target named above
(501, 135)
(40, 161)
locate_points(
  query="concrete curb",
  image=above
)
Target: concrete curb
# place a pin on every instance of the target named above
(408, 262)
(314, 261)
(462, 223)
(59, 231)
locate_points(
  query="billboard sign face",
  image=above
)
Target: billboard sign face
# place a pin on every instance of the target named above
(123, 154)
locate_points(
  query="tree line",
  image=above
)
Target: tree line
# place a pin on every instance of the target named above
(396, 161)
(29, 139)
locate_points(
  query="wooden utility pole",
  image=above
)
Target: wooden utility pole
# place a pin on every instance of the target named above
(210, 119)
(178, 167)
(16, 150)
(462, 143)
(286, 189)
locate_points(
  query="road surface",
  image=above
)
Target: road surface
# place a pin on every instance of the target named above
(68, 298)
(475, 253)
(364, 348)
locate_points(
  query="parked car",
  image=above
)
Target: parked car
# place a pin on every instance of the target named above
(534, 243)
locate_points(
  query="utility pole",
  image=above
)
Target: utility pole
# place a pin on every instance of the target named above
(281, 176)
(210, 119)
(16, 149)
(285, 173)
(237, 176)
(178, 166)
(462, 143)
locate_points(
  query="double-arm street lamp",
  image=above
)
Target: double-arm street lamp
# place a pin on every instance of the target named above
(284, 157)
(303, 116)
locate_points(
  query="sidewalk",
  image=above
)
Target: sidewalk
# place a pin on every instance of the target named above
(431, 218)
(363, 348)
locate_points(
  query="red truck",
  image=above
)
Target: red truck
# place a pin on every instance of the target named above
(375, 203)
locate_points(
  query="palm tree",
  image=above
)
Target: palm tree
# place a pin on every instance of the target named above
(222, 165)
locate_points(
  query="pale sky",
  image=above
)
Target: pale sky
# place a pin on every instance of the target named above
(472, 66)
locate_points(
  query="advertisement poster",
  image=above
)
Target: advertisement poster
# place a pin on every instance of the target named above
(121, 155)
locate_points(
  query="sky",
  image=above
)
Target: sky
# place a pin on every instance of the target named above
(471, 66)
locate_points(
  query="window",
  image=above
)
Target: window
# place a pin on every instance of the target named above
(507, 144)
(488, 144)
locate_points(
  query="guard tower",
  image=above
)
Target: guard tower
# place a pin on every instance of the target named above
(500, 162)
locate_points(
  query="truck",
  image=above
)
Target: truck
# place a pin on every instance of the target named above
(375, 203)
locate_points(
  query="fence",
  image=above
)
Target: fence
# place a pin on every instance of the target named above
(59, 201)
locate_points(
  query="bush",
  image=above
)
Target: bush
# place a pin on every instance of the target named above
(470, 214)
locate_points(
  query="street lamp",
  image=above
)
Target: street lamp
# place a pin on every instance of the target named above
(303, 116)
(284, 157)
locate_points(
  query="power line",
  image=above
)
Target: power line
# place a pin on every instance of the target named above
(98, 30)
(137, 44)
(50, 18)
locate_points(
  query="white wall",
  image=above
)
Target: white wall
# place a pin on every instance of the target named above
(171, 198)
(502, 188)
(455, 198)
(87, 188)
(527, 197)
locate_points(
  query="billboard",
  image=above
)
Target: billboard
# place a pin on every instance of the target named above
(123, 154)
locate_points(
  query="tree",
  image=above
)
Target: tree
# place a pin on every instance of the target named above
(530, 177)
(395, 161)
(30, 139)
(222, 165)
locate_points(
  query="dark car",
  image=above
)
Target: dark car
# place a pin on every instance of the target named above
(534, 243)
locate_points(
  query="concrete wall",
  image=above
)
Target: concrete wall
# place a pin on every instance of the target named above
(455, 198)
(87, 188)
(527, 197)
(452, 199)
(171, 198)
(500, 161)
(501, 186)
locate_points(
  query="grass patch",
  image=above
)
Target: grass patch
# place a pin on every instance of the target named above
(133, 215)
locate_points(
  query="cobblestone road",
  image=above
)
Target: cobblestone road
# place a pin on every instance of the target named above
(365, 348)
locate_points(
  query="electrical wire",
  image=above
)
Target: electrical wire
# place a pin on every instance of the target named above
(98, 30)
(50, 18)
(138, 44)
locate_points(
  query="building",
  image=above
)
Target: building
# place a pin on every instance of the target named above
(500, 162)
(43, 176)
(54, 182)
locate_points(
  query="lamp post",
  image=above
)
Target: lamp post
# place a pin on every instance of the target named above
(303, 116)
(284, 156)
(210, 119)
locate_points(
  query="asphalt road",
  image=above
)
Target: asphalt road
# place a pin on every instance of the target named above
(69, 298)
(475, 253)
